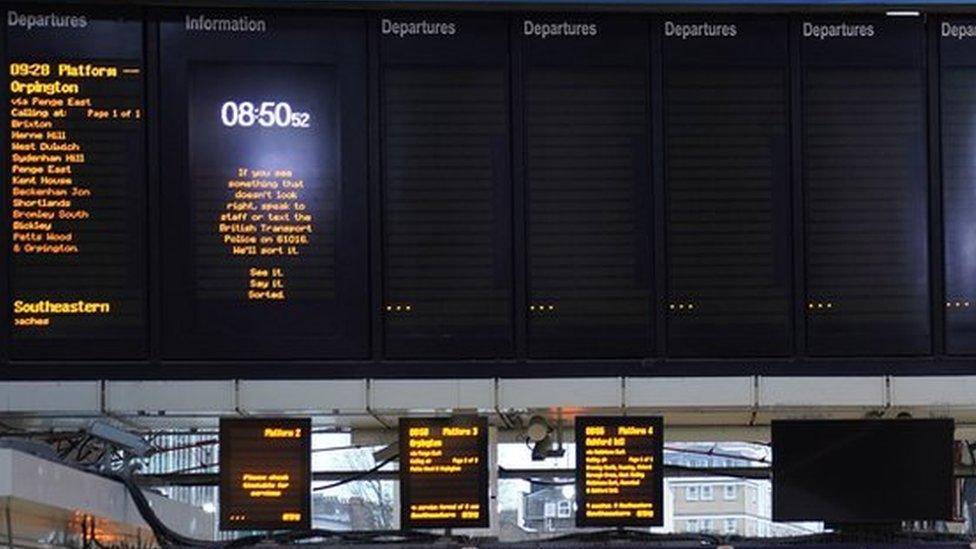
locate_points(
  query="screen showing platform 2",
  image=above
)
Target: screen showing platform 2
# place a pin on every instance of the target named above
(265, 473)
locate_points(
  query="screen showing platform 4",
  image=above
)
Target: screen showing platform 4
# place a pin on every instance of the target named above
(619, 471)
(265, 474)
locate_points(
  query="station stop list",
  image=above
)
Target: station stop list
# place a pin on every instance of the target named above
(619, 471)
(76, 136)
(443, 472)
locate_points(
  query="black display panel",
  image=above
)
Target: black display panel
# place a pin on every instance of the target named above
(863, 471)
(444, 472)
(865, 189)
(587, 177)
(75, 191)
(619, 471)
(727, 179)
(446, 185)
(264, 186)
(265, 474)
(958, 108)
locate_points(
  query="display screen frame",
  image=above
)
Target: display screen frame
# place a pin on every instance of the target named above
(302, 501)
(328, 329)
(83, 42)
(654, 487)
(478, 489)
(621, 45)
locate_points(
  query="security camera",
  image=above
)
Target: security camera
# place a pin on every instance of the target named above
(539, 432)
(538, 429)
(121, 439)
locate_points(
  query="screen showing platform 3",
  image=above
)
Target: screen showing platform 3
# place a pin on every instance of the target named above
(444, 472)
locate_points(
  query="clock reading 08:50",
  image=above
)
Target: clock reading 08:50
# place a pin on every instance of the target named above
(269, 114)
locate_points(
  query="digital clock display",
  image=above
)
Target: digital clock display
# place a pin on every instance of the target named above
(264, 194)
(264, 180)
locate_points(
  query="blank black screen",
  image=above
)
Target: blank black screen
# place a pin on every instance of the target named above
(447, 191)
(958, 87)
(588, 191)
(862, 471)
(865, 192)
(726, 154)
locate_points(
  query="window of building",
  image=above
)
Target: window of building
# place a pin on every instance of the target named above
(549, 509)
(730, 526)
(691, 493)
(731, 491)
(707, 525)
(565, 509)
(707, 492)
(691, 525)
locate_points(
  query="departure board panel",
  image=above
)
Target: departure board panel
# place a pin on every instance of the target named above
(444, 472)
(77, 185)
(264, 194)
(586, 105)
(447, 225)
(265, 474)
(727, 179)
(958, 82)
(619, 471)
(865, 186)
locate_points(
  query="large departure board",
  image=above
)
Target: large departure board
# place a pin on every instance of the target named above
(958, 107)
(257, 191)
(619, 471)
(76, 184)
(444, 472)
(264, 186)
(865, 190)
(447, 224)
(727, 179)
(265, 474)
(587, 166)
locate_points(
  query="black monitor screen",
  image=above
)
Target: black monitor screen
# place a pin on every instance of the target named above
(862, 471)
